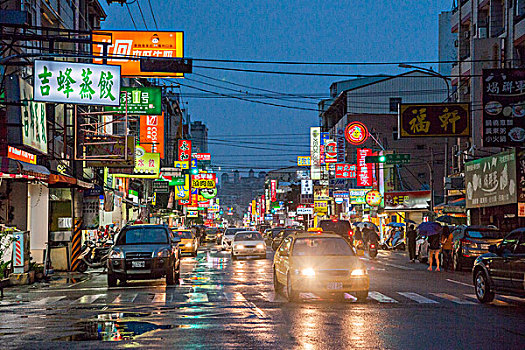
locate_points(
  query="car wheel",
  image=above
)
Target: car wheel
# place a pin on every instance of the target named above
(177, 275)
(170, 277)
(483, 292)
(361, 296)
(457, 262)
(112, 280)
(277, 287)
(291, 294)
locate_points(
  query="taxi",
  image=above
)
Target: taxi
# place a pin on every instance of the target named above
(188, 241)
(319, 262)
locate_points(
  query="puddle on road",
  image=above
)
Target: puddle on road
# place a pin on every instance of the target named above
(115, 327)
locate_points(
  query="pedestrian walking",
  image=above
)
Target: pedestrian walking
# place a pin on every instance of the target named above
(411, 243)
(434, 242)
(446, 246)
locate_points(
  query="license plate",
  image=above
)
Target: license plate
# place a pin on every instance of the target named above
(484, 246)
(138, 264)
(334, 285)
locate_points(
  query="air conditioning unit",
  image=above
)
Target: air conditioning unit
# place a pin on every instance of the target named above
(482, 32)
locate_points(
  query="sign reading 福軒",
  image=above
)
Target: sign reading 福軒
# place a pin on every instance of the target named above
(138, 100)
(434, 120)
(76, 83)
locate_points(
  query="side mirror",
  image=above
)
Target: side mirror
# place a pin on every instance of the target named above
(493, 248)
(175, 240)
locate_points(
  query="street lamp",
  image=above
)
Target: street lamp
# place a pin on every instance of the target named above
(429, 71)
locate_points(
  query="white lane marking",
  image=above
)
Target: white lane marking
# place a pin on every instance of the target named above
(417, 298)
(381, 297)
(495, 301)
(462, 283)
(129, 298)
(159, 298)
(197, 297)
(453, 299)
(258, 312)
(235, 296)
(49, 300)
(88, 299)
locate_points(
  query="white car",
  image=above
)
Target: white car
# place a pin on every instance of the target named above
(248, 243)
(227, 237)
(422, 249)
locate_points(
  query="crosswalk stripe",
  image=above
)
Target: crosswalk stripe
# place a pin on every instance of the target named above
(381, 297)
(495, 302)
(453, 298)
(235, 296)
(418, 298)
(120, 299)
(159, 298)
(197, 297)
(88, 299)
(49, 300)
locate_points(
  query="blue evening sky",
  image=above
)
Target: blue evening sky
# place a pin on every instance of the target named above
(311, 31)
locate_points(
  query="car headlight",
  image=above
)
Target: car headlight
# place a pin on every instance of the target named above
(259, 246)
(116, 254)
(164, 253)
(188, 245)
(358, 272)
(239, 246)
(309, 272)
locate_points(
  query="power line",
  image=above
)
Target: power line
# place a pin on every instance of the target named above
(153, 15)
(131, 16)
(143, 19)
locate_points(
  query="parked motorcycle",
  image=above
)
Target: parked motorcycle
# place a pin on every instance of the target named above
(397, 242)
(94, 255)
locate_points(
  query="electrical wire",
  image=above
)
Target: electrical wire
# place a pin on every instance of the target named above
(131, 16)
(153, 15)
(142, 15)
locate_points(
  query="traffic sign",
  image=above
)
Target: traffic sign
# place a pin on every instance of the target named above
(389, 159)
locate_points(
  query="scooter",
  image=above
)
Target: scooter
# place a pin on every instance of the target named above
(93, 255)
(395, 243)
(372, 249)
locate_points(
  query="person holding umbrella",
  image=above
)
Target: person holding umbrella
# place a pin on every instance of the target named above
(433, 231)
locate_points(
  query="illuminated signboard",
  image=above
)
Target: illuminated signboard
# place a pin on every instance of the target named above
(356, 133)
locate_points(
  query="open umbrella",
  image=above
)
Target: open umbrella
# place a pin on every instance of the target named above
(396, 224)
(429, 228)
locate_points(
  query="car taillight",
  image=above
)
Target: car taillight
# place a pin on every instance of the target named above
(372, 246)
(350, 232)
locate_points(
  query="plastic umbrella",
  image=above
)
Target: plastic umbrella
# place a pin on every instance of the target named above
(396, 224)
(429, 228)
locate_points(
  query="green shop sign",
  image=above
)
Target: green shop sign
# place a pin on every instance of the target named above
(140, 100)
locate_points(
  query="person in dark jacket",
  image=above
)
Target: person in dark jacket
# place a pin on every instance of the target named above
(411, 242)
(434, 246)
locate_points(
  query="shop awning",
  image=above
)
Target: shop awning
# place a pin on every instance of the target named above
(84, 184)
(56, 180)
(38, 171)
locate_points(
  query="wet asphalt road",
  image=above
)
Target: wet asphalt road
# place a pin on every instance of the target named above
(224, 304)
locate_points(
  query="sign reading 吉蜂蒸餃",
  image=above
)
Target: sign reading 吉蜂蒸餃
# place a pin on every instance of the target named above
(76, 83)
(128, 45)
(203, 180)
(345, 171)
(503, 107)
(138, 100)
(410, 200)
(434, 120)
(303, 160)
(152, 133)
(491, 181)
(364, 170)
(184, 150)
(34, 119)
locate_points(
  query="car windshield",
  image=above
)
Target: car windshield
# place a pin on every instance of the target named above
(211, 231)
(248, 236)
(320, 246)
(336, 226)
(484, 233)
(143, 235)
(233, 231)
(183, 234)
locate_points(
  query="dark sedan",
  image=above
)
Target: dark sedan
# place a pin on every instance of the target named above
(144, 252)
(471, 242)
(502, 270)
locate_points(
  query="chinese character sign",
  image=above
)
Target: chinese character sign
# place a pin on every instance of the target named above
(341, 146)
(364, 170)
(315, 152)
(412, 200)
(307, 187)
(503, 107)
(345, 171)
(202, 156)
(330, 151)
(34, 119)
(273, 190)
(434, 120)
(135, 44)
(203, 180)
(184, 150)
(138, 100)
(152, 133)
(77, 83)
(303, 161)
